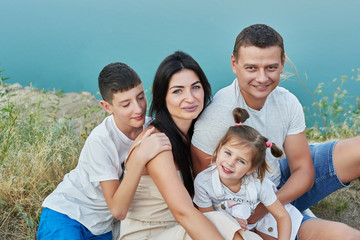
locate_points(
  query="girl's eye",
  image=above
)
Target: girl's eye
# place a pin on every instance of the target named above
(177, 91)
(241, 161)
(126, 105)
(197, 87)
(228, 153)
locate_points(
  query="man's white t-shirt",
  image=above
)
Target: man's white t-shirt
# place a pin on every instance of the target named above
(79, 195)
(281, 115)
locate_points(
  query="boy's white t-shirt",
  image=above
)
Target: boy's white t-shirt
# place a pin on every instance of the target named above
(281, 115)
(79, 195)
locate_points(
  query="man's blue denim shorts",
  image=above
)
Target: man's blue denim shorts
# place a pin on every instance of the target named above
(55, 225)
(326, 180)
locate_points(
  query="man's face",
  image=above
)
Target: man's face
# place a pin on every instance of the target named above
(258, 72)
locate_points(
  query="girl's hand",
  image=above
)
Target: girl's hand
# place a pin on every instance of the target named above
(243, 223)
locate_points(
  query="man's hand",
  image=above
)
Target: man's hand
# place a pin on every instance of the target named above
(259, 212)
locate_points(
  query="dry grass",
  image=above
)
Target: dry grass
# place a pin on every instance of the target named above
(343, 206)
(41, 136)
(39, 143)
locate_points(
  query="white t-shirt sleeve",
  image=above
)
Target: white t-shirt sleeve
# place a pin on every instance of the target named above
(267, 194)
(102, 158)
(296, 116)
(201, 196)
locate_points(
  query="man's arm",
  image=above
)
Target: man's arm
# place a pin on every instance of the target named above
(298, 155)
(301, 167)
(200, 160)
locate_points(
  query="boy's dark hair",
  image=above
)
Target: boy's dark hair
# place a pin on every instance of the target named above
(116, 77)
(248, 137)
(258, 35)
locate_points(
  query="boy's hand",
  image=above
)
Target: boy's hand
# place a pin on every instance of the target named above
(152, 144)
(243, 223)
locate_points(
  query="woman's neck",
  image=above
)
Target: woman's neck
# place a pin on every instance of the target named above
(183, 125)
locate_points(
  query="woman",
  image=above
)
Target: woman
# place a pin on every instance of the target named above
(163, 199)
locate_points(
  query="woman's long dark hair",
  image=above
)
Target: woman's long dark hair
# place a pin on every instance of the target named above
(163, 121)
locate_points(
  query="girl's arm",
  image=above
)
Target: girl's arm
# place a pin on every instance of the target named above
(208, 209)
(282, 218)
(164, 173)
(119, 196)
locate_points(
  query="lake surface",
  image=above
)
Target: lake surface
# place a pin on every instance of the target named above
(65, 44)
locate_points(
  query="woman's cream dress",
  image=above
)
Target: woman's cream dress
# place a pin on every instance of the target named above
(150, 218)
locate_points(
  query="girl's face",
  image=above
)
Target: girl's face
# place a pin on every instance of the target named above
(185, 97)
(233, 162)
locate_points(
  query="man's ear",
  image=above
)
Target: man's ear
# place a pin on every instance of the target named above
(233, 62)
(283, 62)
(106, 106)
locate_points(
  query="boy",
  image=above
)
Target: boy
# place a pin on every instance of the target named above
(85, 203)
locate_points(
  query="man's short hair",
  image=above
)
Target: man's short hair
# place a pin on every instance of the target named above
(258, 35)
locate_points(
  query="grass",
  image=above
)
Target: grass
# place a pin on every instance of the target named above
(37, 147)
(40, 143)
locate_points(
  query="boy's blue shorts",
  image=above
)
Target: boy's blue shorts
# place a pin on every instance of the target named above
(326, 180)
(55, 225)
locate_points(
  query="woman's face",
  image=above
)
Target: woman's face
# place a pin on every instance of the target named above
(185, 97)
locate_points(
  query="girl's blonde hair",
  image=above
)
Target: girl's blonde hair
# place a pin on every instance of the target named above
(249, 137)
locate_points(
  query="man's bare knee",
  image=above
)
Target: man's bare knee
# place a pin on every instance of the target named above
(319, 229)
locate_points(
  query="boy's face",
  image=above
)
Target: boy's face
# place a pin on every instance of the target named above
(258, 72)
(128, 109)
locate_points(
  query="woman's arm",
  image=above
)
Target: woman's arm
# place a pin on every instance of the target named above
(119, 196)
(164, 173)
(282, 218)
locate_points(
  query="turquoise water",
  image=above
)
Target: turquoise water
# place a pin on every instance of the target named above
(64, 44)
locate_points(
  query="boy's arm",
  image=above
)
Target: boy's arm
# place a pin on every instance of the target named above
(119, 196)
(282, 218)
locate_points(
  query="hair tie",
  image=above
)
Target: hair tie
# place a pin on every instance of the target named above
(238, 124)
(268, 144)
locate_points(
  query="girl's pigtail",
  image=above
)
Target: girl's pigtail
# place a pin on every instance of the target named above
(275, 150)
(240, 115)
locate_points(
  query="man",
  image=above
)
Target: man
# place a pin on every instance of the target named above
(257, 61)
